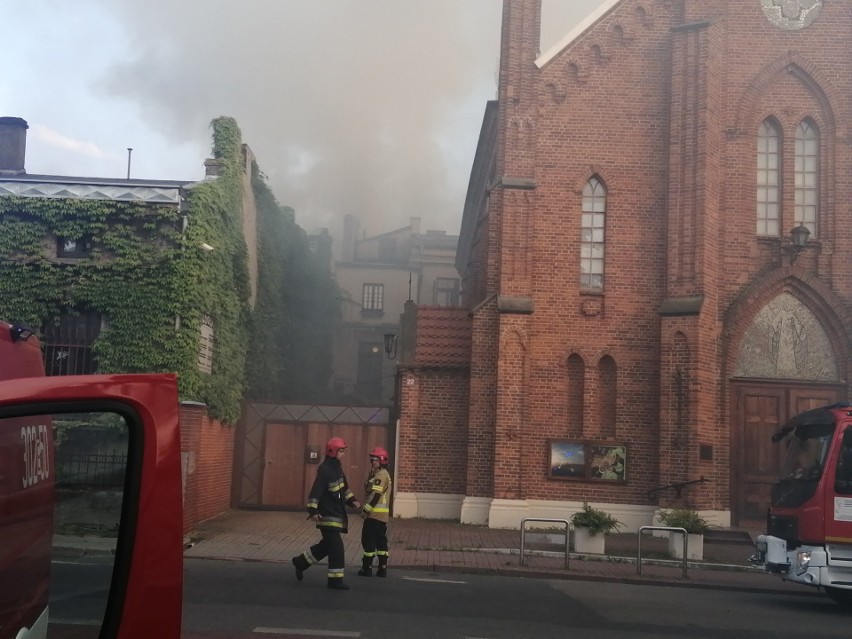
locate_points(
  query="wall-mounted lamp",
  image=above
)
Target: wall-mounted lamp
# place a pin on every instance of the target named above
(390, 345)
(205, 247)
(800, 235)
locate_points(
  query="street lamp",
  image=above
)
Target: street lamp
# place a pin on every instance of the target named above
(390, 345)
(800, 235)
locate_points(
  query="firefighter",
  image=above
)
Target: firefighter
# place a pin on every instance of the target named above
(374, 533)
(326, 506)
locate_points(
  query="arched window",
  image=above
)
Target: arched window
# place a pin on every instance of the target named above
(807, 176)
(592, 236)
(576, 394)
(607, 397)
(768, 175)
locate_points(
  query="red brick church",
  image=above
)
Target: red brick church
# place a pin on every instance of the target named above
(656, 265)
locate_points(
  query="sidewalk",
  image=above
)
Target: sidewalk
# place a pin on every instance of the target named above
(274, 536)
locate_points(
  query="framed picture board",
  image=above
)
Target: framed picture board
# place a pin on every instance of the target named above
(587, 461)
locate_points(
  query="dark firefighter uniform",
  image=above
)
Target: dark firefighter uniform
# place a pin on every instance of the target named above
(376, 511)
(328, 498)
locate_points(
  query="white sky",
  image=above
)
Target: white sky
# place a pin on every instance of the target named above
(369, 107)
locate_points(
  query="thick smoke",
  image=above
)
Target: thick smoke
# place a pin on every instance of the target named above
(368, 107)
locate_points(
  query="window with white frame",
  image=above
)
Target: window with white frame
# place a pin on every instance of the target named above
(592, 235)
(806, 176)
(373, 297)
(205, 345)
(768, 179)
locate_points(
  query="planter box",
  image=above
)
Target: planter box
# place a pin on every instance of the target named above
(695, 546)
(587, 543)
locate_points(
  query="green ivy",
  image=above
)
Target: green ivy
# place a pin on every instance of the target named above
(149, 279)
(297, 307)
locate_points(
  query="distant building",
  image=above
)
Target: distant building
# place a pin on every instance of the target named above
(377, 275)
(656, 265)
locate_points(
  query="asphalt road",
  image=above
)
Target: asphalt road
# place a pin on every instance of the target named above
(238, 600)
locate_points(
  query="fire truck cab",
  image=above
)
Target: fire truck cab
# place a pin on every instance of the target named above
(133, 507)
(809, 524)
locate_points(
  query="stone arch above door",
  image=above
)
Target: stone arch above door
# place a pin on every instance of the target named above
(786, 341)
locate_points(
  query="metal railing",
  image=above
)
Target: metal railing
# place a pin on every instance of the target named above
(90, 470)
(565, 522)
(678, 487)
(670, 529)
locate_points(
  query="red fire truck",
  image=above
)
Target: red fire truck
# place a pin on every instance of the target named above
(144, 573)
(809, 525)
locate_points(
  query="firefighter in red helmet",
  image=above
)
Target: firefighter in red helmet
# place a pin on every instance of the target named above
(327, 503)
(376, 511)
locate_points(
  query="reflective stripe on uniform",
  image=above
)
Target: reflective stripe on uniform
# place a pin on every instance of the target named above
(330, 522)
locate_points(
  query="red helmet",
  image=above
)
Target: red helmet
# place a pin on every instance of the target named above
(381, 453)
(334, 445)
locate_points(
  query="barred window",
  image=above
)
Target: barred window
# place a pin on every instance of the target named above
(68, 340)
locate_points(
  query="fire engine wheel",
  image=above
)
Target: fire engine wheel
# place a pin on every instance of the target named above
(841, 596)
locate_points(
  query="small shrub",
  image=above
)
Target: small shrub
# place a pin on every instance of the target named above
(690, 520)
(597, 522)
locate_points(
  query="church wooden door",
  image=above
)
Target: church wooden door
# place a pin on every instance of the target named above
(759, 410)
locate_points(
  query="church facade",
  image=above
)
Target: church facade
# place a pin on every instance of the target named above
(656, 267)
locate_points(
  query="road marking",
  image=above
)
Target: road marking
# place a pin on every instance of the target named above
(434, 581)
(306, 632)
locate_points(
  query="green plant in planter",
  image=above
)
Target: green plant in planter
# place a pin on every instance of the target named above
(684, 518)
(596, 522)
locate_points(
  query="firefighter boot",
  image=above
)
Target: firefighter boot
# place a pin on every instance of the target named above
(383, 567)
(336, 583)
(366, 567)
(301, 565)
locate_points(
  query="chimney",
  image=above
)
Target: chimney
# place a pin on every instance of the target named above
(13, 145)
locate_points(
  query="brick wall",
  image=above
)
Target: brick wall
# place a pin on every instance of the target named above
(433, 433)
(207, 451)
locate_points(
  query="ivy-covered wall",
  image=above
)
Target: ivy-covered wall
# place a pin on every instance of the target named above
(146, 274)
(297, 307)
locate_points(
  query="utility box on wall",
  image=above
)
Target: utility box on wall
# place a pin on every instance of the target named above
(312, 454)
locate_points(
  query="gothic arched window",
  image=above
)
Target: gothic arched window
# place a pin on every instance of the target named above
(592, 236)
(768, 179)
(807, 176)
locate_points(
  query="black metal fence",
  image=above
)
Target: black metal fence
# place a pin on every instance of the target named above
(90, 470)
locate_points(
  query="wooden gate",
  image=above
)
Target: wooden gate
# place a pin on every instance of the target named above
(759, 409)
(280, 445)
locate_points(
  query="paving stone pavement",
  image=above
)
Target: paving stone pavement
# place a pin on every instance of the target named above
(276, 536)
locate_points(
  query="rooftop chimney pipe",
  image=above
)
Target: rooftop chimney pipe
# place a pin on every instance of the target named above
(13, 145)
